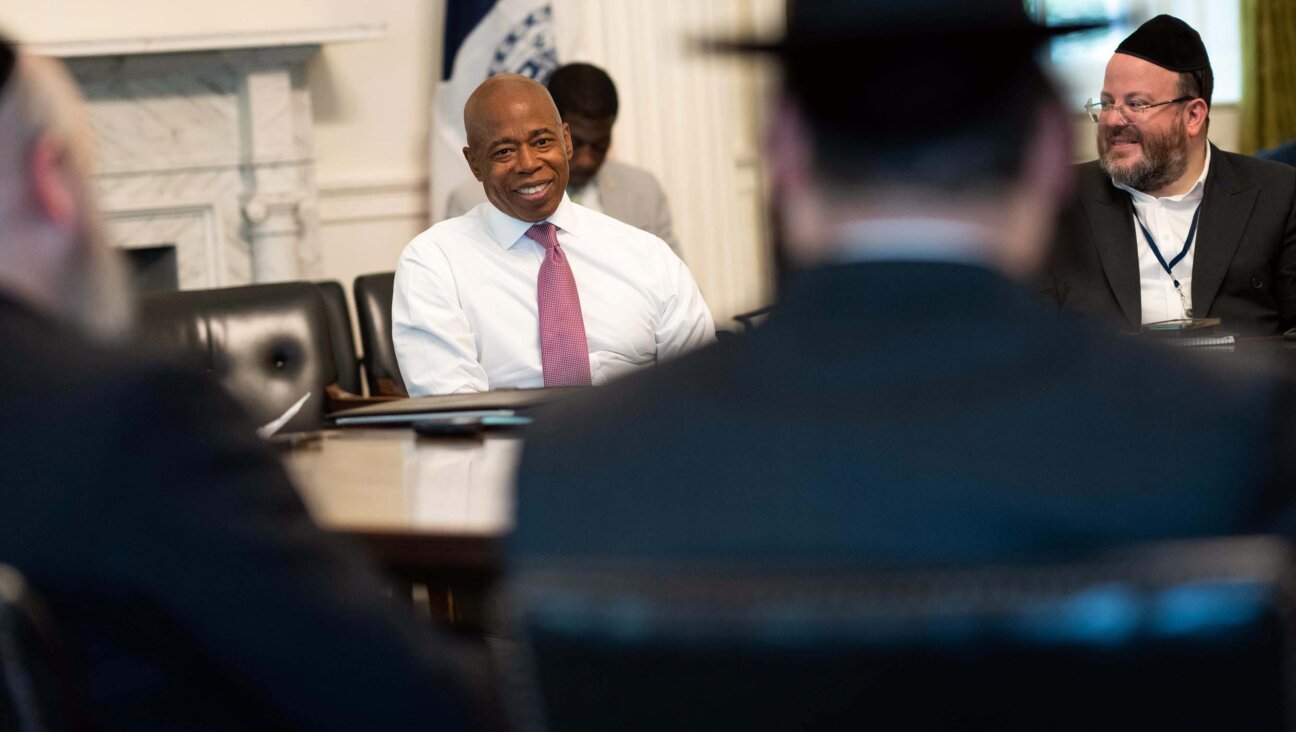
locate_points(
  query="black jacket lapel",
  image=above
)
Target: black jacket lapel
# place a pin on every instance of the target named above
(1111, 219)
(1226, 208)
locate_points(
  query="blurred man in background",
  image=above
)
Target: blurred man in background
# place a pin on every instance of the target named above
(190, 586)
(587, 101)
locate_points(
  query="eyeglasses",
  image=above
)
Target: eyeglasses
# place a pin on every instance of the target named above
(1128, 112)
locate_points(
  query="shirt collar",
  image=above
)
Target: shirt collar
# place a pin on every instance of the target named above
(912, 240)
(1193, 194)
(508, 231)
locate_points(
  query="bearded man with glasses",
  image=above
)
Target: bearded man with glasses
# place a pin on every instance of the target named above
(1166, 226)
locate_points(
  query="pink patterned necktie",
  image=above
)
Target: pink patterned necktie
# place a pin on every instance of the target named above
(564, 353)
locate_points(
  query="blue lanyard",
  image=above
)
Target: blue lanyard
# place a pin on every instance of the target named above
(1192, 231)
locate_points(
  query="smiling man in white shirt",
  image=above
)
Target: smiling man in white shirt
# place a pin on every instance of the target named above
(531, 289)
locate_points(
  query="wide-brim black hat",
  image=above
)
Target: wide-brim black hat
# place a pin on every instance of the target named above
(906, 69)
(8, 59)
(818, 25)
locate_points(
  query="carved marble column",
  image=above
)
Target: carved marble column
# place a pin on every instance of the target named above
(278, 201)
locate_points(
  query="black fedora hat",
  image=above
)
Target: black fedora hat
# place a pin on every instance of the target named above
(818, 25)
(8, 59)
(906, 69)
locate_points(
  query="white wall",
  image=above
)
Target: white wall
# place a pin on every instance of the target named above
(694, 120)
(371, 109)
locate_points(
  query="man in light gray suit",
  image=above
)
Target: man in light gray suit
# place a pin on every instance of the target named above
(587, 100)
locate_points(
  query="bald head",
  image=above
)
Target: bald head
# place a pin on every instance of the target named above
(518, 146)
(496, 93)
(41, 101)
(52, 254)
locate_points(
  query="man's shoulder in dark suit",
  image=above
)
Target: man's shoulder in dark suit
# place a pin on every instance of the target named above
(190, 585)
(903, 413)
(1284, 153)
(1260, 168)
(1248, 224)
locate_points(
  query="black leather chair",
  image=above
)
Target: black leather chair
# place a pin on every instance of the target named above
(750, 320)
(36, 688)
(1191, 635)
(344, 347)
(373, 298)
(268, 344)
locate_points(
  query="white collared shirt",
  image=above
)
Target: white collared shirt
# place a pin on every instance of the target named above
(1168, 218)
(464, 313)
(907, 239)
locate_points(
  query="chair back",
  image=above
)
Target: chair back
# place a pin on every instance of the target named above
(344, 347)
(36, 691)
(373, 298)
(1192, 635)
(750, 320)
(268, 344)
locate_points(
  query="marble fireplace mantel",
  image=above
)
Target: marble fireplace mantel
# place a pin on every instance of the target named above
(206, 144)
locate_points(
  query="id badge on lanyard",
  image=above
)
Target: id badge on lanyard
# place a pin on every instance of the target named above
(1169, 266)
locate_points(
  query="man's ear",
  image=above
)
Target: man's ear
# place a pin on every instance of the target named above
(1046, 162)
(52, 180)
(1198, 113)
(803, 219)
(567, 141)
(472, 163)
(790, 148)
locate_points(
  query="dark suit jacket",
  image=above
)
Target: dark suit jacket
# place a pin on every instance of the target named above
(1284, 153)
(900, 413)
(186, 578)
(1244, 260)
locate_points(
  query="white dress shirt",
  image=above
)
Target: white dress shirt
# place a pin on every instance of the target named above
(464, 313)
(914, 240)
(1168, 218)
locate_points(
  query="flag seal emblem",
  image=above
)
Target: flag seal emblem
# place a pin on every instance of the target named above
(529, 48)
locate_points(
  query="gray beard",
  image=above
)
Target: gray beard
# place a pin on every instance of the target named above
(1160, 166)
(1148, 174)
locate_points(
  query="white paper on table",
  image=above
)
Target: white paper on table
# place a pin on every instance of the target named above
(266, 431)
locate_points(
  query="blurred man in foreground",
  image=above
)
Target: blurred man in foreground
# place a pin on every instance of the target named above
(1166, 226)
(189, 585)
(587, 101)
(531, 289)
(909, 400)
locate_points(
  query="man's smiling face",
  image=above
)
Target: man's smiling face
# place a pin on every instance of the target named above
(517, 147)
(1146, 151)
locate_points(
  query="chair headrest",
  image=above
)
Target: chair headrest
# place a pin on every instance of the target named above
(268, 344)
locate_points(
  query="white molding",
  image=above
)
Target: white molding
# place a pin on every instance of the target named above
(208, 41)
(207, 214)
(373, 199)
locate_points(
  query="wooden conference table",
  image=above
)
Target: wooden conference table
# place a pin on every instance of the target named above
(436, 510)
(431, 510)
